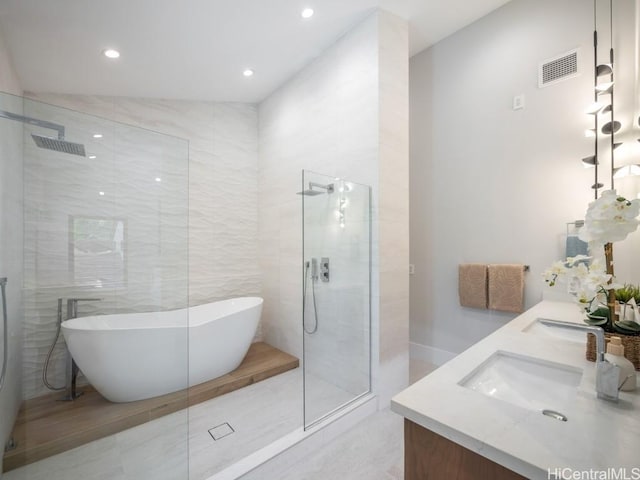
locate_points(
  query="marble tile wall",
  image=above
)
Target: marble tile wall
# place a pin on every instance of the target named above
(393, 213)
(344, 115)
(204, 209)
(323, 120)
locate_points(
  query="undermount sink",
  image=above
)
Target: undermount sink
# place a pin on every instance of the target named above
(539, 327)
(525, 381)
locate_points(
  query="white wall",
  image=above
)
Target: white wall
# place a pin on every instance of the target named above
(344, 115)
(11, 249)
(209, 185)
(490, 184)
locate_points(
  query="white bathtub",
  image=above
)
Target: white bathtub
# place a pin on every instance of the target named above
(142, 355)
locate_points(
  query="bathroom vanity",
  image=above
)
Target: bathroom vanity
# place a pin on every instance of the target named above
(481, 414)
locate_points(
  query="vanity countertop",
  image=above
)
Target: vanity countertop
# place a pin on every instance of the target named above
(598, 434)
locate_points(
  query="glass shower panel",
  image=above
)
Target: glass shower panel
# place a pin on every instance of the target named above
(336, 293)
(110, 225)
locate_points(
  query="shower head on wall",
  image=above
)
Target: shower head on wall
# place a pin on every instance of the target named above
(310, 192)
(58, 145)
(50, 143)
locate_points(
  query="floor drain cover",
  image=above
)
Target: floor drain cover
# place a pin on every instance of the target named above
(221, 431)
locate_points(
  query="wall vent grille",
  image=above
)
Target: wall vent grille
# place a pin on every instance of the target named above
(558, 68)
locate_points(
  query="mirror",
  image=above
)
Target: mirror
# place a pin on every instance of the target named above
(617, 26)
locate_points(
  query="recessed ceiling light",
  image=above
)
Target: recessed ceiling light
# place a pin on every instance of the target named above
(97, 135)
(111, 53)
(248, 72)
(92, 157)
(307, 13)
(101, 194)
(158, 179)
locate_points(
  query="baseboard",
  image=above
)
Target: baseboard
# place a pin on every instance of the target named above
(429, 354)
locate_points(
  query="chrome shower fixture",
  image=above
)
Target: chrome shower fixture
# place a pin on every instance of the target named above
(329, 188)
(50, 143)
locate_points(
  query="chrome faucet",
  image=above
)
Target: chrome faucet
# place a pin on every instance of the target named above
(72, 305)
(71, 371)
(607, 374)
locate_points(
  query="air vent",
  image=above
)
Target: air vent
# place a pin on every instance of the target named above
(558, 68)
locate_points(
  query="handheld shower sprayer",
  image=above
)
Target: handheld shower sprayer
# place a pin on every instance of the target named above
(310, 267)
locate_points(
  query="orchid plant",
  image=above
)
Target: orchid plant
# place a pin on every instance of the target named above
(586, 279)
(610, 218)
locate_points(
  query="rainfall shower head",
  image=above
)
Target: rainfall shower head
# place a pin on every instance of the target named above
(58, 145)
(50, 143)
(310, 192)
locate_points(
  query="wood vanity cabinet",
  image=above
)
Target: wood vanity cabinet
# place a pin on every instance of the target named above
(429, 456)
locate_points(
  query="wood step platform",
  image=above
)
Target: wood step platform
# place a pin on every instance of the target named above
(47, 426)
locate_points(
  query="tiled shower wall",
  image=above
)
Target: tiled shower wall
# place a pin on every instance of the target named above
(344, 115)
(10, 243)
(218, 204)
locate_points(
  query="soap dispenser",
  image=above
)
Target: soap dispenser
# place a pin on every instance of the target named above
(615, 356)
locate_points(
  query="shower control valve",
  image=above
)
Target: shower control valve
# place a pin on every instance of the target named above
(324, 269)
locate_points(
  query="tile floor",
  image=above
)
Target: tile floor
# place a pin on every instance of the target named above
(159, 450)
(372, 450)
(179, 445)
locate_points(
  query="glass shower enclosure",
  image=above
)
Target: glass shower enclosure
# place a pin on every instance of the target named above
(105, 217)
(336, 294)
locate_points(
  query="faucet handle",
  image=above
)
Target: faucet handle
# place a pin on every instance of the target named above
(607, 380)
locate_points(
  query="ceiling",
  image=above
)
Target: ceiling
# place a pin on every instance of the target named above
(196, 49)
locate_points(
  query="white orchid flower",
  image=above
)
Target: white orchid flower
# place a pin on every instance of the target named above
(610, 218)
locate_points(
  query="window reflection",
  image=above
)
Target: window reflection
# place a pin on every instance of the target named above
(97, 255)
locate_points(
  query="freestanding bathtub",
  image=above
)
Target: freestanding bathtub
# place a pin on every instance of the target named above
(142, 355)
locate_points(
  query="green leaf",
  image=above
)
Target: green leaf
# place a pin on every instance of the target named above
(596, 321)
(628, 325)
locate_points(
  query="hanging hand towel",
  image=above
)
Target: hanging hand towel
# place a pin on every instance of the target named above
(472, 285)
(506, 287)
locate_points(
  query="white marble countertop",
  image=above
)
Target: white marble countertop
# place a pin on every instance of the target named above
(598, 434)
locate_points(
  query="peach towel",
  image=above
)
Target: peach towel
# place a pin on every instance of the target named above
(472, 285)
(506, 287)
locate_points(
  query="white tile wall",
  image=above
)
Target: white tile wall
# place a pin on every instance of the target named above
(208, 189)
(323, 120)
(345, 115)
(393, 213)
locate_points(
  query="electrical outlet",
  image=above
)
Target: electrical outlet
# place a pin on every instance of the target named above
(412, 269)
(518, 102)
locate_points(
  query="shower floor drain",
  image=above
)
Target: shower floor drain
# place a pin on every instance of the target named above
(221, 431)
